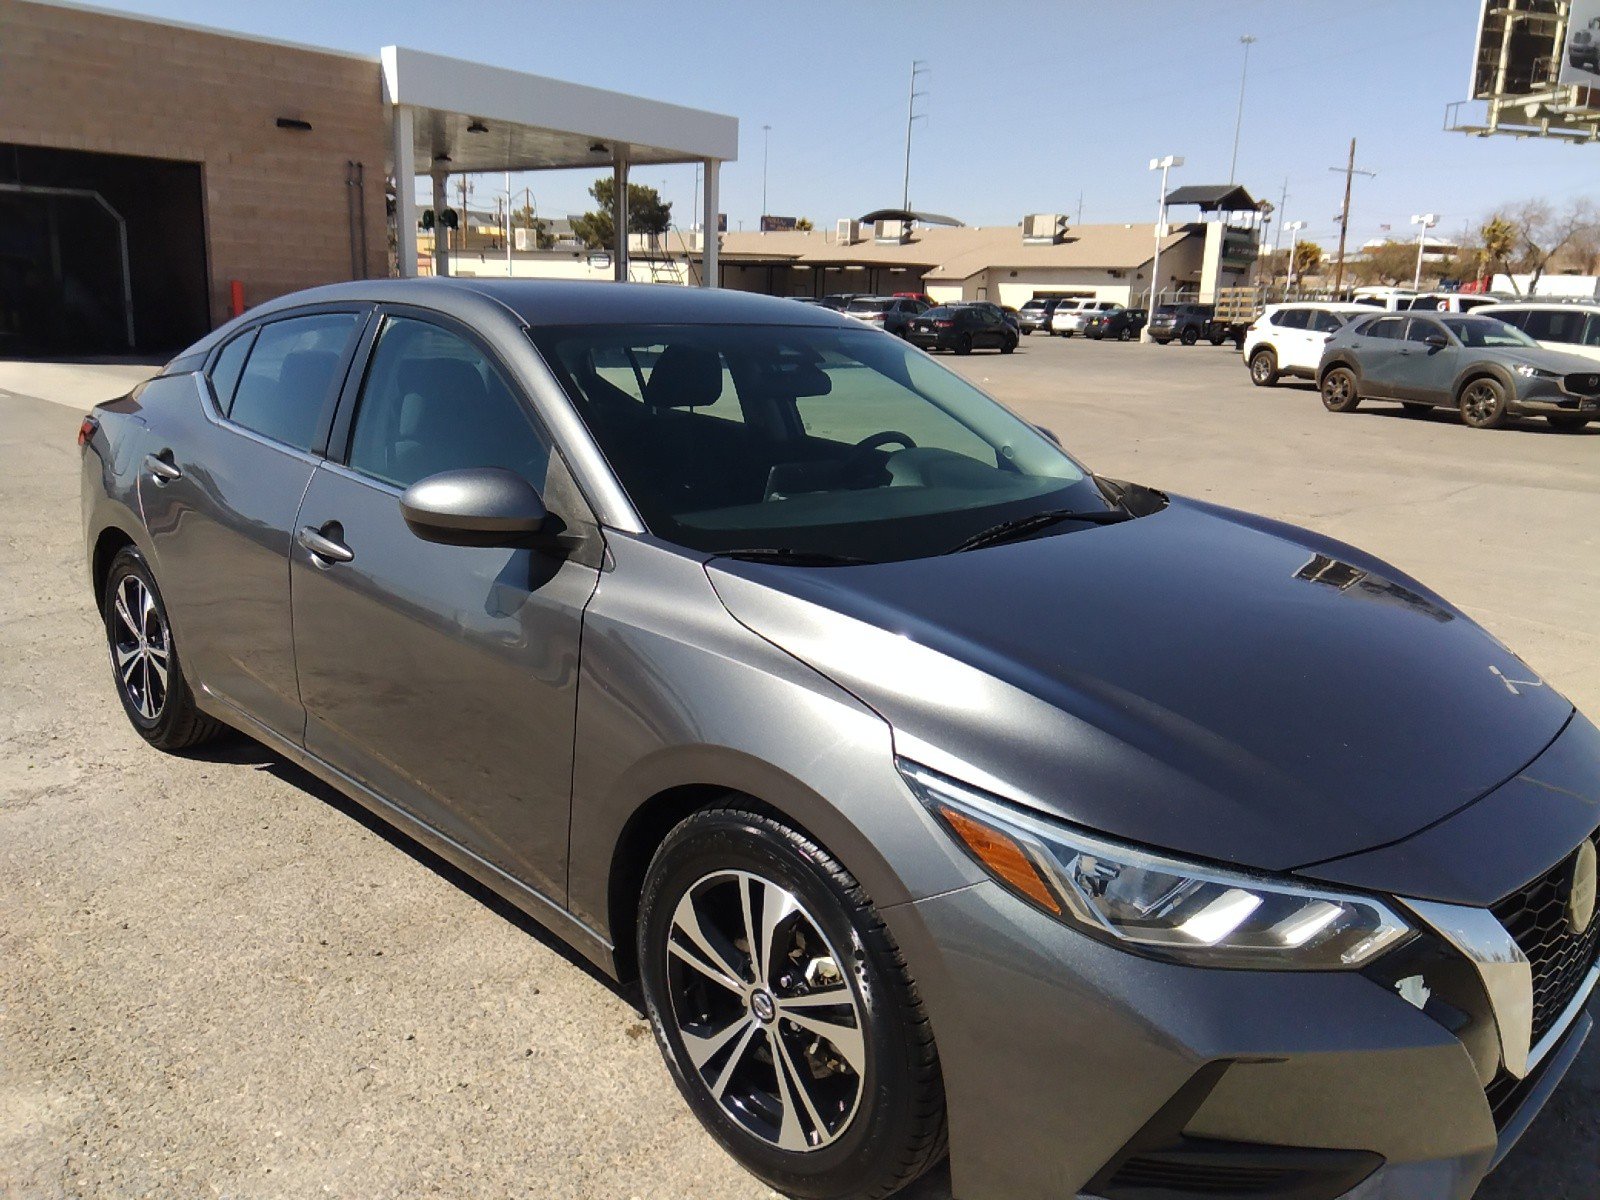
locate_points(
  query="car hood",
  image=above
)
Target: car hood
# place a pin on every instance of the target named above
(1198, 679)
(1559, 361)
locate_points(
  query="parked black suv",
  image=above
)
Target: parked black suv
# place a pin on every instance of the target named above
(962, 328)
(1186, 323)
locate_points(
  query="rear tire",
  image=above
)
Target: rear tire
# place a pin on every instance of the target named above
(1568, 422)
(1483, 403)
(144, 659)
(1264, 367)
(1339, 390)
(870, 1115)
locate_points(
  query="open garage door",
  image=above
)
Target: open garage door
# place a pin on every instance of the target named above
(99, 253)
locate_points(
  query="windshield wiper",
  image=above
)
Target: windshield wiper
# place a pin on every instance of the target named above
(794, 558)
(1008, 531)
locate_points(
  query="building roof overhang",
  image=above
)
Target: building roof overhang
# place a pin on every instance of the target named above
(472, 117)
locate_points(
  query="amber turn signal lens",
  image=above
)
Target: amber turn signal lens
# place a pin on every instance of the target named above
(87, 430)
(1001, 855)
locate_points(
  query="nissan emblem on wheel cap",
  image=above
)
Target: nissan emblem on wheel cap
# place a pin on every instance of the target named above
(1581, 895)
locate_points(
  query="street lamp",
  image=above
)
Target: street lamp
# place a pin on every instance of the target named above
(766, 137)
(1163, 165)
(1427, 221)
(1293, 229)
(1246, 41)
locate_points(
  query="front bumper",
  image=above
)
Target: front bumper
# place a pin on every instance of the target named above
(1073, 1067)
(1541, 397)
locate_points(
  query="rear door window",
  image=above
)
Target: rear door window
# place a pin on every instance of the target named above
(1384, 327)
(1517, 318)
(1291, 318)
(1556, 325)
(291, 376)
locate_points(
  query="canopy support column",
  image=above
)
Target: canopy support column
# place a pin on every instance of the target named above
(708, 227)
(405, 193)
(619, 213)
(441, 235)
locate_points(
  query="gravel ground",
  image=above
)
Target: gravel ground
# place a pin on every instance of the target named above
(222, 979)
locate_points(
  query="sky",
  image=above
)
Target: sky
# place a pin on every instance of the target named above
(1030, 107)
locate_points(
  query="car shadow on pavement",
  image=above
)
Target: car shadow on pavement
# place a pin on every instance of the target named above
(238, 749)
(1449, 416)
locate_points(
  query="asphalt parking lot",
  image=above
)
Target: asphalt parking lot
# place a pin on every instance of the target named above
(220, 978)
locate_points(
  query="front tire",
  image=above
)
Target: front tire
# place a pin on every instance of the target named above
(785, 1012)
(1264, 367)
(144, 659)
(1190, 336)
(1483, 403)
(1339, 390)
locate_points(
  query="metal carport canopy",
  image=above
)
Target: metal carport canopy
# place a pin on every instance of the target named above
(455, 116)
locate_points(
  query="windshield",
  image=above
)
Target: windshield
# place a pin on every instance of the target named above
(1481, 332)
(812, 441)
(870, 304)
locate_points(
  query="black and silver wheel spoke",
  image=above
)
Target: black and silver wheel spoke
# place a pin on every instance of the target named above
(141, 652)
(745, 958)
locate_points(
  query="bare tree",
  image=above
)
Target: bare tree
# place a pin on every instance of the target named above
(1542, 232)
(1390, 263)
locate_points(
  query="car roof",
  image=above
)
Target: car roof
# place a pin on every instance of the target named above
(1540, 306)
(553, 302)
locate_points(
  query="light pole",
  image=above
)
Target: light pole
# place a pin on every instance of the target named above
(1246, 41)
(766, 138)
(1163, 165)
(1427, 221)
(1293, 229)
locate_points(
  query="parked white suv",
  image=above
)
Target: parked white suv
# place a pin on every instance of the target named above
(1574, 328)
(1070, 320)
(1287, 339)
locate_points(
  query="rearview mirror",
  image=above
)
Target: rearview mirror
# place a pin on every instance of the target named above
(480, 506)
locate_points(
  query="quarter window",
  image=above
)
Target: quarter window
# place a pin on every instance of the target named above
(433, 402)
(290, 377)
(225, 372)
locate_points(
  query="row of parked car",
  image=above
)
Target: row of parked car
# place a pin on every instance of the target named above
(1497, 362)
(960, 328)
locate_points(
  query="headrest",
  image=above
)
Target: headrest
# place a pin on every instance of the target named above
(684, 377)
(307, 371)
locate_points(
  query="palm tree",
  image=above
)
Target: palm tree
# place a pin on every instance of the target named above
(1499, 238)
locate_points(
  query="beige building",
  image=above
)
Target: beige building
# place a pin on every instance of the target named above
(217, 159)
(157, 178)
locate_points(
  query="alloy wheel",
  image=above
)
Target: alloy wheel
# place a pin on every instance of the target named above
(768, 1019)
(1480, 403)
(141, 647)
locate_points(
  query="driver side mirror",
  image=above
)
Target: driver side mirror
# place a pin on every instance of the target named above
(1437, 341)
(480, 506)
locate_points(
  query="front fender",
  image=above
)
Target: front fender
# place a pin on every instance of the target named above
(678, 695)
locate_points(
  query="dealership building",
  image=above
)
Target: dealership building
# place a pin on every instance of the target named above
(156, 178)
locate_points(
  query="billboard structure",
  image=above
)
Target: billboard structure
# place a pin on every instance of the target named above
(1535, 72)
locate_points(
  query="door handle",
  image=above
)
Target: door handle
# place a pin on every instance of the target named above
(329, 549)
(161, 467)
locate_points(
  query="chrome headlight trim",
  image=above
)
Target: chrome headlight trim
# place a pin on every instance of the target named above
(1506, 973)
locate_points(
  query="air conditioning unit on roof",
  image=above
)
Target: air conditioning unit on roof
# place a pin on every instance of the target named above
(849, 232)
(1044, 229)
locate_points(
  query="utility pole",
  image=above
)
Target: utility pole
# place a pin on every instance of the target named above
(1246, 41)
(1163, 165)
(1080, 208)
(1349, 171)
(918, 67)
(1277, 237)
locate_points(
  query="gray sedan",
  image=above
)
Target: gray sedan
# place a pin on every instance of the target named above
(936, 791)
(1483, 368)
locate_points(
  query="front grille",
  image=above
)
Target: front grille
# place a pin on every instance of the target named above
(1536, 919)
(1582, 383)
(1200, 1179)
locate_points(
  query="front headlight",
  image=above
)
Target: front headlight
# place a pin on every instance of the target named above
(1154, 905)
(1532, 372)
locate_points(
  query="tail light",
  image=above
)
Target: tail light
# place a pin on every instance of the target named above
(87, 430)
(944, 324)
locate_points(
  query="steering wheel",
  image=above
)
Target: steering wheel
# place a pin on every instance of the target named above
(888, 437)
